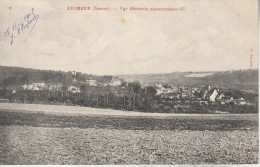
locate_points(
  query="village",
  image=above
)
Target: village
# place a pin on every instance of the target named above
(73, 88)
(201, 95)
(179, 94)
(114, 92)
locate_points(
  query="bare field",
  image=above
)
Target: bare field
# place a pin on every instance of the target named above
(220, 123)
(79, 110)
(40, 138)
(41, 145)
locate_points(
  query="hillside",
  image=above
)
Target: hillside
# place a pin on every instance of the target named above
(242, 79)
(19, 76)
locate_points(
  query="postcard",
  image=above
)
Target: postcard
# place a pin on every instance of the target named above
(129, 82)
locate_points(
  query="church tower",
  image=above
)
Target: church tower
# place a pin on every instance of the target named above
(209, 88)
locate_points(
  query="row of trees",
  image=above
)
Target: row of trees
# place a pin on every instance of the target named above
(127, 96)
(131, 97)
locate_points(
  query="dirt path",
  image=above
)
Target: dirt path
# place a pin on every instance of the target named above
(77, 110)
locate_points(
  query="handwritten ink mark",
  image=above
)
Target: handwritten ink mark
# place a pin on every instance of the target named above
(35, 17)
(28, 23)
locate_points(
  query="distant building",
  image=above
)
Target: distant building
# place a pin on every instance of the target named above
(205, 93)
(73, 89)
(222, 103)
(92, 82)
(204, 102)
(220, 97)
(34, 86)
(115, 82)
(241, 101)
(213, 96)
(74, 74)
(55, 87)
(209, 87)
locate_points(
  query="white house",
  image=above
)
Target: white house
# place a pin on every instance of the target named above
(92, 82)
(74, 89)
(55, 87)
(34, 86)
(213, 95)
(115, 82)
(220, 97)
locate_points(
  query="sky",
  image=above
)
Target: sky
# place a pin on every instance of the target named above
(209, 35)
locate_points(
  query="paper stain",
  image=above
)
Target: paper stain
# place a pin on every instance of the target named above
(88, 16)
(82, 31)
(58, 12)
(123, 21)
(192, 42)
(238, 14)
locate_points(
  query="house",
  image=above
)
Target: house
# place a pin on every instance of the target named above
(195, 88)
(34, 86)
(171, 97)
(161, 89)
(241, 101)
(220, 97)
(159, 85)
(204, 102)
(213, 96)
(222, 103)
(73, 89)
(175, 88)
(92, 82)
(229, 100)
(205, 93)
(115, 82)
(55, 87)
(184, 94)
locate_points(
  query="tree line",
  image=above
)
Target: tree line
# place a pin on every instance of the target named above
(129, 96)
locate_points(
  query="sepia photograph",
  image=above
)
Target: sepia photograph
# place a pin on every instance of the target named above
(129, 82)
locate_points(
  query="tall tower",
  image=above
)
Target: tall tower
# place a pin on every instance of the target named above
(74, 76)
(209, 88)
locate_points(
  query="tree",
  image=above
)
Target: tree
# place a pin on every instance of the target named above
(64, 88)
(135, 87)
(151, 91)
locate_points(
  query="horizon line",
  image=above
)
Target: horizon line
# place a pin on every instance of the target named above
(187, 71)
